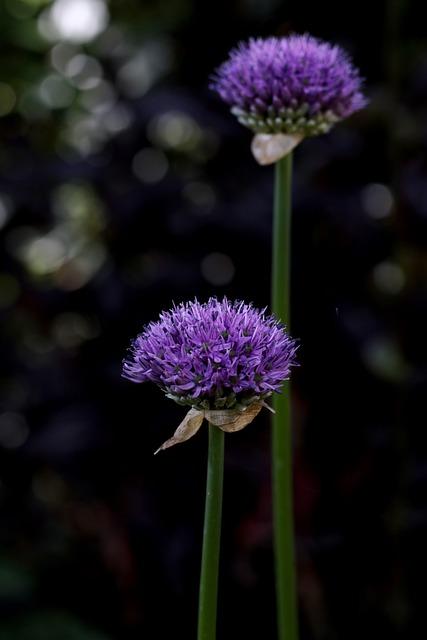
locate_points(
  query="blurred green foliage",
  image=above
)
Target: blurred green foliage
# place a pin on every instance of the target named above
(49, 625)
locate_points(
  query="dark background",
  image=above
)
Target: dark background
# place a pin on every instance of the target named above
(126, 185)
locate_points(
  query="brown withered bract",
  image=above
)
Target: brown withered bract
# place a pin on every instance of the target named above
(228, 420)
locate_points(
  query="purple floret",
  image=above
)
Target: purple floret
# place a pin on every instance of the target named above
(218, 354)
(296, 84)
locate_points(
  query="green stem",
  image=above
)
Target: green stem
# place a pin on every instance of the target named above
(287, 614)
(211, 536)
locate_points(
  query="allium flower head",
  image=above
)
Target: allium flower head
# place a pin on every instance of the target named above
(292, 85)
(213, 355)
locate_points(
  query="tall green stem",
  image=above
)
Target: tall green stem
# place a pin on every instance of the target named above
(211, 536)
(287, 615)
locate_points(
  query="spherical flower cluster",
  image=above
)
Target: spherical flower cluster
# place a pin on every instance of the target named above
(215, 355)
(292, 85)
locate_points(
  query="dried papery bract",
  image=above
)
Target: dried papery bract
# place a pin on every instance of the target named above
(268, 148)
(227, 420)
(231, 421)
(186, 429)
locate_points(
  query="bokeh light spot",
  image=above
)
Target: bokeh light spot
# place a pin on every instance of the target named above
(117, 119)
(174, 130)
(389, 277)
(84, 72)
(76, 21)
(61, 54)
(32, 106)
(218, 269)
(70, 330)
(384, 358)
(201, 195)
(6, 207)
(99, 98)
(76, 273)
(44, 254)
(377, 200)
(143, 69)
(150, 165)
(7, 99)
(55, 92)
(78, 205)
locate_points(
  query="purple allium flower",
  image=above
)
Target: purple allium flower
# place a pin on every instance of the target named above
(215, 355)
(293, 85)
